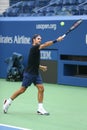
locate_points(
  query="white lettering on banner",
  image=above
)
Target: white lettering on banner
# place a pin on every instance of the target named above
(21, 39)
(86, 38)
(16, 39)
(45, 55)
(46, 26)
(5, 39)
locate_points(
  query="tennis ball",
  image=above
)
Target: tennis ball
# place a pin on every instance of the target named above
(62, 23)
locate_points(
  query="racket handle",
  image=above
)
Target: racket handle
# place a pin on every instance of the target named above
(64, 35)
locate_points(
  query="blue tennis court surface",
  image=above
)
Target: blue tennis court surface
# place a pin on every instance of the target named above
(8, 127)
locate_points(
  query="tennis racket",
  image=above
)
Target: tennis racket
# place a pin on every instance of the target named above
(74, 26)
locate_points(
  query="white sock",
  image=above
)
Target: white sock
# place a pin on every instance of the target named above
(9, 101)
(40, 105)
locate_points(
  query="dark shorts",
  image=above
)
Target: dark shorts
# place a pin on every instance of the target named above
(28, 79)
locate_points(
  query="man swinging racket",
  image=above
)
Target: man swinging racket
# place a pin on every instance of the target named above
(32, 75)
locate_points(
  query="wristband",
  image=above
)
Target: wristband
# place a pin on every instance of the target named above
(55, 41)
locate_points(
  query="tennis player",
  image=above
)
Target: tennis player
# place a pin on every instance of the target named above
(32, 75)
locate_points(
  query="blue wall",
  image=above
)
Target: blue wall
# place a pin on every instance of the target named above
(16, 33)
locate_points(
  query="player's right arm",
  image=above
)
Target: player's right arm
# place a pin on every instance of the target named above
(49, 43)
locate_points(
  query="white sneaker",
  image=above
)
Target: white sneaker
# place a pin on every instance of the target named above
(6, 105)
(42, 111)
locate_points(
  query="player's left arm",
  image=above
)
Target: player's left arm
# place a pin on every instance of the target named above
(49, 43)
(43, 68)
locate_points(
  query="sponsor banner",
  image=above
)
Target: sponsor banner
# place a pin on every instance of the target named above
(49, 55)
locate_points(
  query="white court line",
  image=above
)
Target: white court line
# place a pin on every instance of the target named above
(20, 128)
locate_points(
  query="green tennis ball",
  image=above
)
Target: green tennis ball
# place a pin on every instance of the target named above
(62, 23)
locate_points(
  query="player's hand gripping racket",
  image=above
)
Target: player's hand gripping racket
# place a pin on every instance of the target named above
(74, 26)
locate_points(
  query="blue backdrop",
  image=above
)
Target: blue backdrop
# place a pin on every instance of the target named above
(16, 34)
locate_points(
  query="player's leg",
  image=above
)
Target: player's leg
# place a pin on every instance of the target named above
(41, 109)
(18, 92)
(7, 102)
(25, 83)
(40, 92)
(39, 84)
